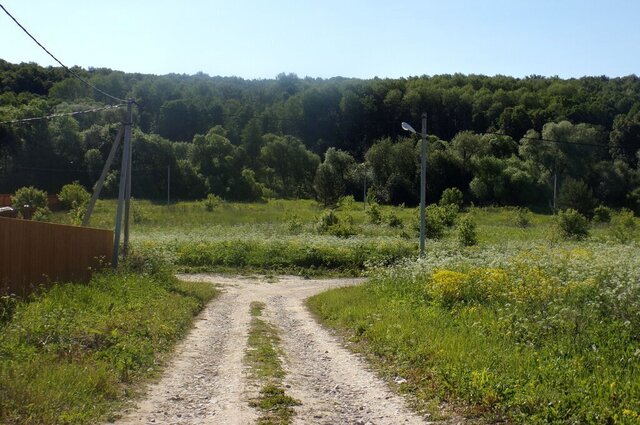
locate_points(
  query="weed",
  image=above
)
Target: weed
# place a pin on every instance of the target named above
(524, 332)
(467, 235)
(572, 225)
(263, 356)
(67, 355)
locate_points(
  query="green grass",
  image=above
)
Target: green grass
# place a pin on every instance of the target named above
(276, 406)
(524, 332)
(75, 352)
(281, 236)
(263, 357)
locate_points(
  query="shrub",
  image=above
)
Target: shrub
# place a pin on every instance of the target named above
(342, 230)
(572, 225)
(452, 196)
(522, 217)
(624, 226)
(294, 224)
(448, 214)
(394, 221)
(31, 196)
(73, 195)
(434, 225)
(374, 213)
(467, 235)
(42, 214)
(212, 202)
(327, 219)
(601, 214)
(346, 203)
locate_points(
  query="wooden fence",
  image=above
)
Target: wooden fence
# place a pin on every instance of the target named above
(35, 253)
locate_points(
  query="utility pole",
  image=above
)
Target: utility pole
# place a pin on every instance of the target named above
(423, 182)
(124, 191)
(423, 175)
(555, 186)
(168, 185)
(364, 197)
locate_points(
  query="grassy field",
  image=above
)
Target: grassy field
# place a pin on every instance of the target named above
(74, 353)
(282, 236)
(526, 332)
(524, 326)
(278, 237)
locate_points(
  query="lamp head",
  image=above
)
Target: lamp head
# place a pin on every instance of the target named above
(407, 127)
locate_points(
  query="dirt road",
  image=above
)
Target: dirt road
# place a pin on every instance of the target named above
(207, 383)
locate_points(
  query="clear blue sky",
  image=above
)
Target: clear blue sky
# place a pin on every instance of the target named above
(349, 38)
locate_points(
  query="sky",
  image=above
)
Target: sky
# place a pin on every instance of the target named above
(256, 39)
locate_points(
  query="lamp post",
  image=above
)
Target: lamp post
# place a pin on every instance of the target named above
(423, 174)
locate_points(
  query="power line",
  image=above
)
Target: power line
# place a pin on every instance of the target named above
(561, 142)
(57, 60)
(62, 114)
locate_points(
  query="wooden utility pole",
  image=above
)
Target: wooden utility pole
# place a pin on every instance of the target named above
(124, 191)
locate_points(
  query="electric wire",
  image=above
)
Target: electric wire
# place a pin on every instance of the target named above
(57, 60)
(62, 114)
(542, 139)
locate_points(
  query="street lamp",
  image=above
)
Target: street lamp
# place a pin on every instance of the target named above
(423, 175)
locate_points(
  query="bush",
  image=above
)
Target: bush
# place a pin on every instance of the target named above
(434, 225)
(601, 214)
(342, 230)
(212, 202)
(452, 196)
(327, 220)
(346, 203)
(374, 213)
(73, 196)
(522, 217)
(624, 226)
(42, 214)
(448, 214)
(394, 221)
(572, 225)
(31, 196)
(467, 235)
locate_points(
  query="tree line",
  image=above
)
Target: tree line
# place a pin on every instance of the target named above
(500, 140)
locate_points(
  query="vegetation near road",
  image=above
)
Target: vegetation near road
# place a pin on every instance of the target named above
(74, 353)
(512, 314)
(528, 332)
(263, 357)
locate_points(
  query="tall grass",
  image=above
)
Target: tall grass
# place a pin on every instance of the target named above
(75, 352)
(526, 333)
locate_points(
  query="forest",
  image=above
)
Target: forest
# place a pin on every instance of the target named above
(500, 140)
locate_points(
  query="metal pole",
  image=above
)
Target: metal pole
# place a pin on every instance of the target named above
(423, 181)
(121, 191)
(555, 185)
(168, 185)
(364, 199)
(127, 199)
(98, 186)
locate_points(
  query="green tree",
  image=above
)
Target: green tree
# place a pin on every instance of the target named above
(293, 166)
(624, 139)
(575, 194)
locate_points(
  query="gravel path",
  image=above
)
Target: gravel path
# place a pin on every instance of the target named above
(206, 383)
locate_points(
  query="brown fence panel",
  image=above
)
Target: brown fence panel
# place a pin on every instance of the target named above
(5, 200)
(34, 253)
